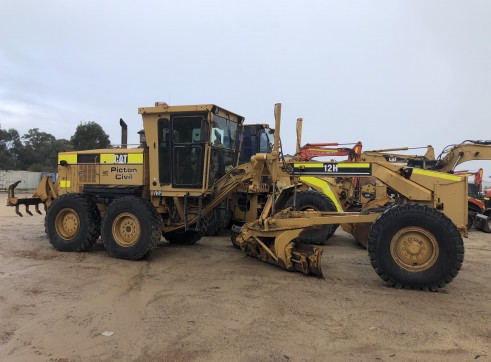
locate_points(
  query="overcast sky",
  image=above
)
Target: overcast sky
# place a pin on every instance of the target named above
(388, 73)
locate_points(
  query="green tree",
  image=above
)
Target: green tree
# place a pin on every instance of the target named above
(89, 136)
(10, 148)
(39, 152)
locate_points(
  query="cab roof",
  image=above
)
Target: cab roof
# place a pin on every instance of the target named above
(161, 107)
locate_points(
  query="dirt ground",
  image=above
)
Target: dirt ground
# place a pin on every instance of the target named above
(209, 302)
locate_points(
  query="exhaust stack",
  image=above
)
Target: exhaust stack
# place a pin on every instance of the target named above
(124, 133)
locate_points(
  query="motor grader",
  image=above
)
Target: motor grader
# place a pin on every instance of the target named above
(170, 185)
(416, 243)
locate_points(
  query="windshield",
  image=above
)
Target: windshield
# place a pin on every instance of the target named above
(224, 132)
(266, 140)
(223, 140)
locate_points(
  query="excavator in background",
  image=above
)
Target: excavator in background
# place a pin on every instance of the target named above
(456, 154)
(475, 187)
(312, 150)
(478, 213)
(487, 198)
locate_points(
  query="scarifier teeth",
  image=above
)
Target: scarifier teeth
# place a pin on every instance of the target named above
(28, 212)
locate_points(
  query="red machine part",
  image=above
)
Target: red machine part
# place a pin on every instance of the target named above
(311, 150)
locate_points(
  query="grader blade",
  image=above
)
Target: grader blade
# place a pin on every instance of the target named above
(282, 251)
(307, 259)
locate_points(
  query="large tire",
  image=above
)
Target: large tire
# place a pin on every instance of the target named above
(333, 230)
(415, 246)
(72, 223)
(314, 200)
(183, 237)
(131, 228)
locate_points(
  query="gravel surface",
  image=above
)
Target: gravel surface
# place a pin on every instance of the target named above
(210, 302)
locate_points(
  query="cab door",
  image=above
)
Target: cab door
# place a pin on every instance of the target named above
(188, 136)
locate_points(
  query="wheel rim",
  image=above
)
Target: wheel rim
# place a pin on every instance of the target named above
(67, 224)
(307, 208)
(126, 229)
(414, 249)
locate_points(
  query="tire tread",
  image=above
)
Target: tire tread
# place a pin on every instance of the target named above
(407, 209)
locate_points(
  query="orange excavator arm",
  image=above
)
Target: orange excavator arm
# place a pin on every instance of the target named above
(312, 150)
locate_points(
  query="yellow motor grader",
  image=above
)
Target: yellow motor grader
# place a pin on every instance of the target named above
(416, 243)
(168, 185)
(173, 182)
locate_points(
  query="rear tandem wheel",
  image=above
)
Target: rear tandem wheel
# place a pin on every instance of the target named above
(131, 228)
(72, 223)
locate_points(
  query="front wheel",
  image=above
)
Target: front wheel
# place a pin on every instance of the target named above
(415, 246)
(131, 228)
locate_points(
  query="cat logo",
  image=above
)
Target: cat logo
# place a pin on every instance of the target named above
(121, 158)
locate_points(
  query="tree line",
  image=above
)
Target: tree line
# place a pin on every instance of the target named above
(38, 151)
